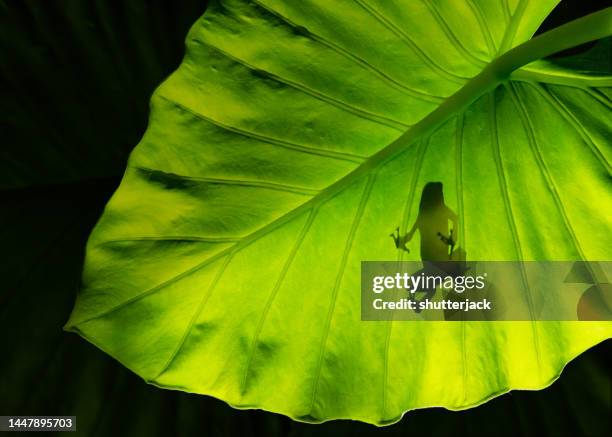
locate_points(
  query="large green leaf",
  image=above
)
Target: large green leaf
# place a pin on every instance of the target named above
(227, 262)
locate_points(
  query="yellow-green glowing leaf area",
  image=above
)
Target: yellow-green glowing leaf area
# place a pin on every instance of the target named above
(294, 137)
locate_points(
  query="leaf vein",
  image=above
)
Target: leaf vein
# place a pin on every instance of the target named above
(599, 96)
(324, 153)
(510, 32)
(242, 183)
(461, 240)
(410, 43)
(574, 122)
(535, 149)
(477, 62)
(196, 314)
(347, 248)
(253, 344)
(510, 218)
(484, 28)
(172, 238)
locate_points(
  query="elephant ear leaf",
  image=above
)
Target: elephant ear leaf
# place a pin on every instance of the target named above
(292, 139)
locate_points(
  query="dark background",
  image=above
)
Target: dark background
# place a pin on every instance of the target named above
(75, 81)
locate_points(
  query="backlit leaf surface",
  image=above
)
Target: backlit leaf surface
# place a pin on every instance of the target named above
(228, 261)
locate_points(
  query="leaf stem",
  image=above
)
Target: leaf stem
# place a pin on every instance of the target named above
(588, 28)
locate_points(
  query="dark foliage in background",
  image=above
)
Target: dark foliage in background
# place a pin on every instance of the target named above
(75, 80)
